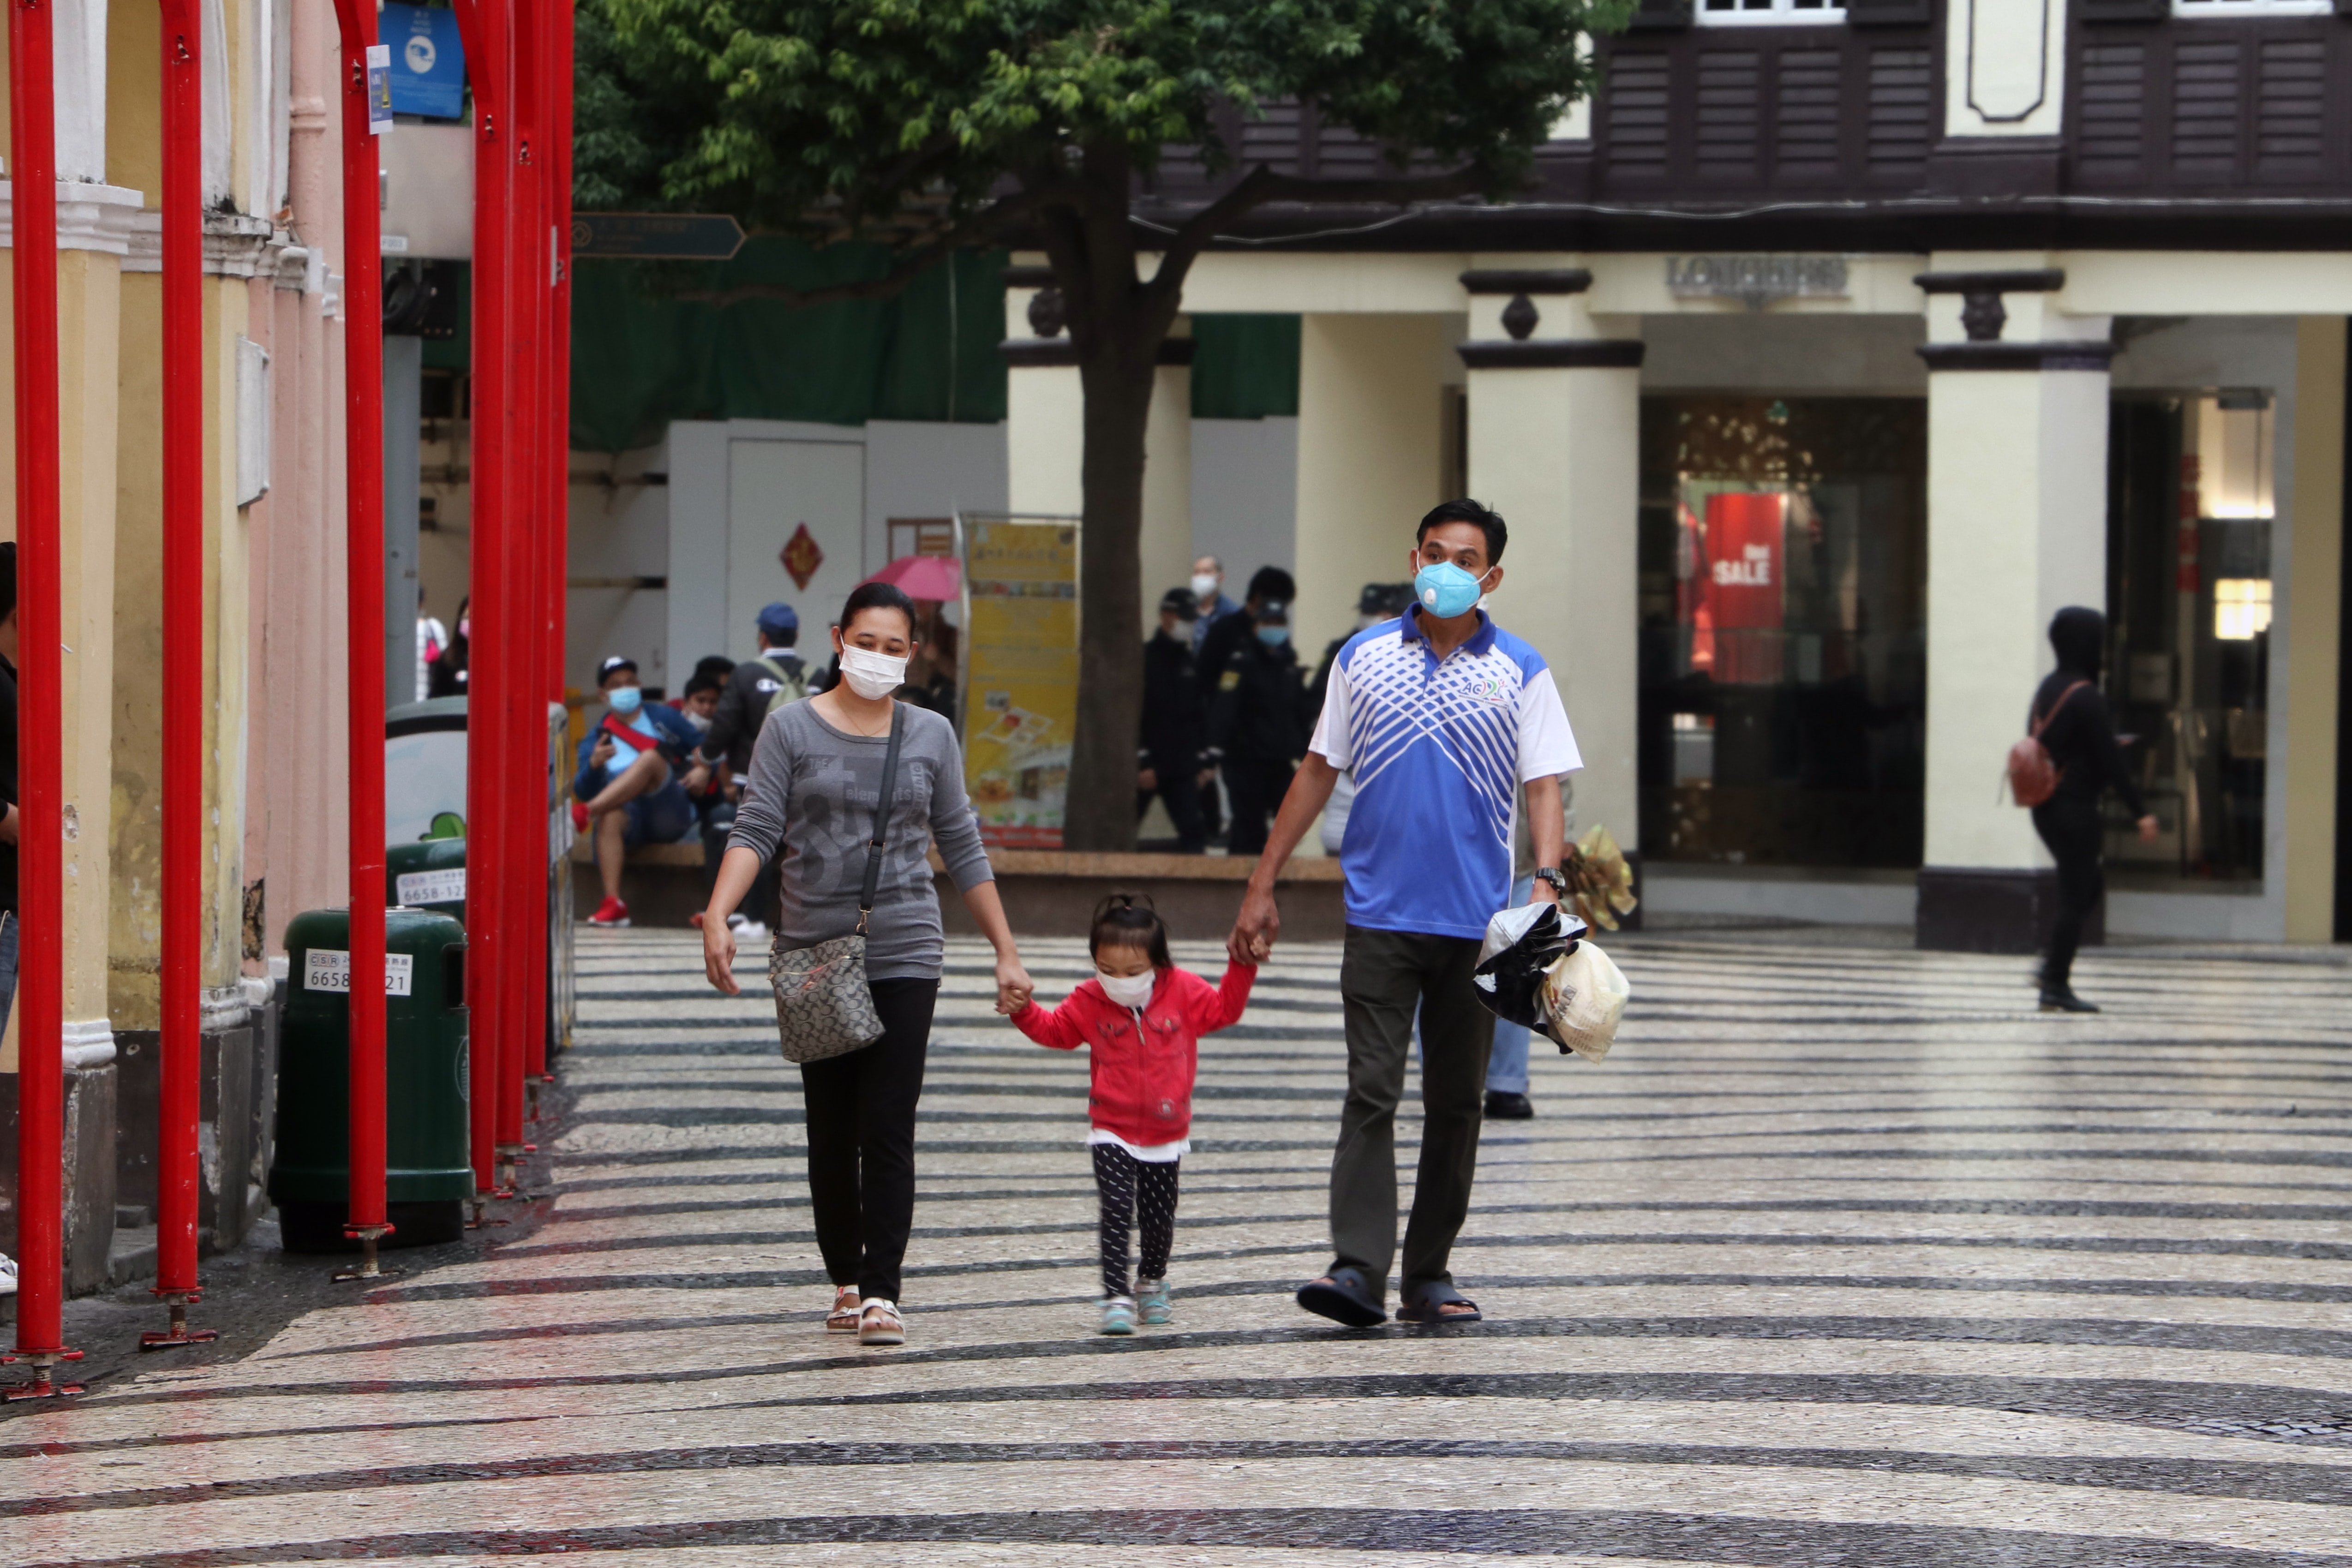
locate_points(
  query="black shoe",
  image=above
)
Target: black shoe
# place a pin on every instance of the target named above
(1505, 1106)
(2063, 1000)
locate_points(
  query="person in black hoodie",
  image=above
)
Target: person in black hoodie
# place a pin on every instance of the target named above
(1259, 723)
(1175, 725)
(2081, 740)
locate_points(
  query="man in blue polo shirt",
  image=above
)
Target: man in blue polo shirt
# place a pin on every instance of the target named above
(1447, 721)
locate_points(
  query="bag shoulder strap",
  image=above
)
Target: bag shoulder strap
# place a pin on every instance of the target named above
(2043, 722)
(619, 730)
(881, 816)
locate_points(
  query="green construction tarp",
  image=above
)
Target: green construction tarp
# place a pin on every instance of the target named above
(1245, 367)
(642, 356)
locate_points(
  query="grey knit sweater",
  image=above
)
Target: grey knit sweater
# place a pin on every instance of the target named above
(811, 795)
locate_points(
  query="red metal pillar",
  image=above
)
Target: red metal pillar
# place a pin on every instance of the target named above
(533, 262)
(363, 581)
(484, 26)
(40, 900)
(556, 415)
(181, 1068)
(524, 246)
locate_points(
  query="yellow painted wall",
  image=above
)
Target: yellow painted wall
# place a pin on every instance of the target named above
(134, 99)
(2314, 632)
(135, 917)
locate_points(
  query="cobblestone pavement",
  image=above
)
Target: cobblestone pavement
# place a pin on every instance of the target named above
(1844, 1257)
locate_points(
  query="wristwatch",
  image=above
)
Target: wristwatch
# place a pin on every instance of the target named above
(1552, 874)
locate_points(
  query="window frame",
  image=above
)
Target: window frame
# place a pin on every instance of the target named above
(1784, 14)
(2225, 10)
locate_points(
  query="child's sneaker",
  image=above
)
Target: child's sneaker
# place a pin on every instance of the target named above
(1151, 1300)
(1119, 1316)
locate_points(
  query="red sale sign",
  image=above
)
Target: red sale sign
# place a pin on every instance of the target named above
(1741, 586)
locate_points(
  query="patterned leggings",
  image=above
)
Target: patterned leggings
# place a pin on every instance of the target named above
(1143, 1188)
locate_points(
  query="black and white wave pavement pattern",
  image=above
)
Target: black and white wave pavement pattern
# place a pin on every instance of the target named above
(1844, 1257)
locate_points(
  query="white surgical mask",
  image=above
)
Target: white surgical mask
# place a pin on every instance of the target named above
(1128, 990)
(871, 674)
(1205, 589)
(701, 721)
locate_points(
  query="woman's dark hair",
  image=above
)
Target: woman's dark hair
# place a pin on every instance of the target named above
(878, 596)
(1127, 920)
(7, 578)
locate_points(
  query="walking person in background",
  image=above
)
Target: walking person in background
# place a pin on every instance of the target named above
(1378, 602)
(1259, 723)
(1210, 605)
(1445, 719)
(813, 802)
(1217, 645)
(448, 672)
(431, 641)
(635, 781)
(1141, 1019)
(2071, 717)
(1174, 731)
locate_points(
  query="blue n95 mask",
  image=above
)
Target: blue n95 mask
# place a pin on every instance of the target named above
(1445, 590)
(1273, 636)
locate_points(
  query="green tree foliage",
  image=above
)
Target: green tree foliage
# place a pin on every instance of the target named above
(934, 124)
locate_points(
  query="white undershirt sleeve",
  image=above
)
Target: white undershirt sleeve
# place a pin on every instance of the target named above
(1330, 741)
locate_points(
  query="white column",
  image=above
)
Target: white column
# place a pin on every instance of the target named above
(1555, 426)
(2017, 450)
(1167, 541)
(1045, 411)
(1371, 458)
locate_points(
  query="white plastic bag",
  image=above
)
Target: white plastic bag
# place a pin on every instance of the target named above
(1585, 993)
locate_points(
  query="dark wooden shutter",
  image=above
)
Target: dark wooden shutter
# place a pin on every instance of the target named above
(2205, 111)
(1889, 13)
(1660, 17)
(2095, 11)
(1271, 136)
(1902, 125)
(2111, 113)
(2291, 110)
(1805, 114)
(1636, 101)
(1730, 111)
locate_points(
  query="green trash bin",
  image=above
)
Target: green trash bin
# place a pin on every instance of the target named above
(429, 1172)
(430, 875)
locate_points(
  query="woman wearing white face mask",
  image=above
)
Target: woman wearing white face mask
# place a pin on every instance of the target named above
(811, 802)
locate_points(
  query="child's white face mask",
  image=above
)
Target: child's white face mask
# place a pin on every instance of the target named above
(1128, 990)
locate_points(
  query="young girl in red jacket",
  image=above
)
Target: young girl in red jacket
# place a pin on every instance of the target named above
(1141, 1018)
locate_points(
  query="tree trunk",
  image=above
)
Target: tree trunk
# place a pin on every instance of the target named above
(1118, 381)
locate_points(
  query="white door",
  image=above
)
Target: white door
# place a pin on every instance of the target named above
(774, 488)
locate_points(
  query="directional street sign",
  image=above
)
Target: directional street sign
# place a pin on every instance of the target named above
(656, 237)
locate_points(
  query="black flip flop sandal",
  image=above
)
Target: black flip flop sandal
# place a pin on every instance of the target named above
(1422, 1304)
(1345, 1300)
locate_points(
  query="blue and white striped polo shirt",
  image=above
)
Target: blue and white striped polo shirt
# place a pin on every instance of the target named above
(1438, 748)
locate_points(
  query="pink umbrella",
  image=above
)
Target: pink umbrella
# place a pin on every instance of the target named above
(923, 577)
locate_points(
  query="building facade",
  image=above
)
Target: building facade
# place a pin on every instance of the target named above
(1834, 350)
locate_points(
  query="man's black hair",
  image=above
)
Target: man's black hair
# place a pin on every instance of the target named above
(716, 666)
(878, 596)
(1273, 583)
(7, 578)
(1489, 522)
(702, 681)
(1127, 920)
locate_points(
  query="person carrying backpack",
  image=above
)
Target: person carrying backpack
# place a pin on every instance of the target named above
(2069, 718)
(775, 678)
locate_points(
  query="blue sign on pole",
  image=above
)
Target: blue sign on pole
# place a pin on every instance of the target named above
(428, 63)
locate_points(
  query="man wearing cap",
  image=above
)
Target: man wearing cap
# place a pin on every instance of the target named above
(636, 771)
(1258, 719)
(774, 678)
(1174, 727)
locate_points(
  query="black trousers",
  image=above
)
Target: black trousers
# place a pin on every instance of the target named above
(1256, 787)
(861, 1141)
(2074, 835)
(1183, 797)
(1384, 978)
(1146, 1190)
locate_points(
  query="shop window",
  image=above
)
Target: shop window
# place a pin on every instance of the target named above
(1783, 580)
(1774, 13)
(2189, 603)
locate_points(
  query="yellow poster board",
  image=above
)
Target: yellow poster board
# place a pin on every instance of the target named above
(1021, 675)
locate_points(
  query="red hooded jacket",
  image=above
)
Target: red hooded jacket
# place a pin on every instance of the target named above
(1142, 1080)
